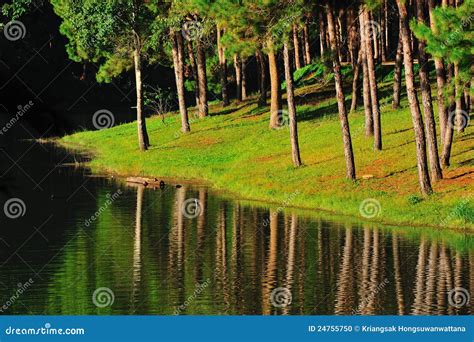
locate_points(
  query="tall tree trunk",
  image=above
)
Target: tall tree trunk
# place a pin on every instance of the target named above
(346, 134)
(262, 100)
(355, 82)
(430, 124)
(337, 21)
(423, 175)
(458, 118)
(367, 41)
(381, 34)
(467, 97)
(238, 76)
(295, 149)
(383, 24)
(373, 37)
(244, 78)
(322, 34)
(275, 102)
(397, 74)
(307, 51)
(143, 142)
(201, 69)
(440, 81)
(178, 61)
(449, 129)
(369, 119)
(192, 61)
(352, 37)
(222, 68)
(296, 44)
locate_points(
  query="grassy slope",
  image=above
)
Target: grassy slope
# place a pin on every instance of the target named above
(233, 149)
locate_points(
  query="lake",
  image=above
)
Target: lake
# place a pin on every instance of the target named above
(74, 243)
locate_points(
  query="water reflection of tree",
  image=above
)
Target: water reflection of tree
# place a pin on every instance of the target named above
(328, 268)
(137, 248)
(345, 296)
(398, 276)
(221, 274)
(269, 280)
(176, 251)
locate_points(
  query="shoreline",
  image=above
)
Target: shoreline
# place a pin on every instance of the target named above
(234, 152)
(99, 170)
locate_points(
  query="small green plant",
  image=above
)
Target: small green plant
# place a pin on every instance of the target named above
(464, 212)
(414, 199)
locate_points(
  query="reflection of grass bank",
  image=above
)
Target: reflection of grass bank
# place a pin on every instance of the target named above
(234, 150)
(458, 239)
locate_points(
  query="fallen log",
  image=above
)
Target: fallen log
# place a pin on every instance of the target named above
(137, 180)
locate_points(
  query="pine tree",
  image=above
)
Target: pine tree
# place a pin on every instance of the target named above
(114, 34)
(423, 175)
(346, 134)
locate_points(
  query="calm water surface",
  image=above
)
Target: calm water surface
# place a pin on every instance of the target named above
(81, 234)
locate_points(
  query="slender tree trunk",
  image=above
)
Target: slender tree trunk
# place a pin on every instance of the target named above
(448, 130)
(467, 98)
(262, 100)
(346, 134)
(238, 76)
(275, 104)
(440, 81)
(369, 119)
(201, 69)
(397, 74)
(296, 44)
(306, 44)
(383, 24)
(352, 37)
(143, 142)
(366, 39)
(178, 61)
(337, 21)
(382, 33)
(430, 124)
(423, 175)
(355, 82)
(192, 61)
(458, 118)
(222, 68)
(295, 149)
(322, 34)
(244, 78)
(372, 38)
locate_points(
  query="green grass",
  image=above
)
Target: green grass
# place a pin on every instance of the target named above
(233, 150)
